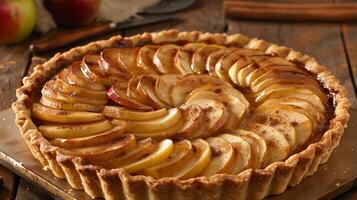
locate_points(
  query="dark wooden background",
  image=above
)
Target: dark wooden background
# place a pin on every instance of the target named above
(333, 44)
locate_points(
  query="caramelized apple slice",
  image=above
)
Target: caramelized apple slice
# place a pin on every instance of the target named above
(56, 104)
(169, 132)
(201, 158)
(216, 112)
(142, 149)
(163, 151)
(279, 124)
(243, 71)
(164, 59)
(228, 59)
(224, 157)
(53, 115)
(244, 152)
(125, 114)
(275, 60)
(257, 145)
(50, 91)
(145, 59)
(184, 55)
(146, 86)
(164, 85)
(278, 148)
(172, 117)
(302, 124)
(109, 63)
(132, 91)
(127, 59)
(63, 84)
(91, 70)
(193, 118)
(280, 77)
(314, 94)
(76, 76)
(100, 138)
(213, 58)
(199, 58)
(117, 93)
(104, 151)
(187, 84)
(74, 130)
(180, 156)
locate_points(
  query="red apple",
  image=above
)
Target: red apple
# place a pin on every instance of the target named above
(73, 13)
(17, 20)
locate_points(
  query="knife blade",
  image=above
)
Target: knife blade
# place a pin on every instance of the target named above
(56, 40)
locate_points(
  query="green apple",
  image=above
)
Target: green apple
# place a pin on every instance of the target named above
(17, 19)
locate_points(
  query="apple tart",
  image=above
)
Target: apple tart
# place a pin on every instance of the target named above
(181, 115)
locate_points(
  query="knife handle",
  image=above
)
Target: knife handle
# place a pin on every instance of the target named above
(60, 39)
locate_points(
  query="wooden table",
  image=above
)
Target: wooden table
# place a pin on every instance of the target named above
(333, 44)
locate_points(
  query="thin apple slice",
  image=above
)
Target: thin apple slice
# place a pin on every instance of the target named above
(244, 151)
(172, 117)
(132, 91)
(125, 114)
(54, 115)
(57, 104)
(257, 145)
(164, 85)
(313, 112)
(50, 91)
(278, 148)
(117, 93)
(234, 70)
(180, 156)
(193, 118)
(74, 130)
(127, 59)
(227, 60)
(142, 149)
(213, 58)
(275, 60)
(104, 151)
(280, 77)
(164, 59)
(146, 57)
(100, 138)
(201, 158)
(169, 132)
(315, 95)
(187, 84)
(76, 76)
(279, 124)
(199, 58)
(109, 63)
(147, 87)
(254, 75)
(163, 151)
(302, 124)
(216, 112)
(63, 84)
(184, 55)
(224, 157)
(243, 72)
(91, 69)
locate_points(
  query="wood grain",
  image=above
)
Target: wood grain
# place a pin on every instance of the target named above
(321, 40)
(204, 15)
(28, 191)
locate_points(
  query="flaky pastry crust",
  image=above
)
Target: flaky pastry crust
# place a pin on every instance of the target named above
(117, 184)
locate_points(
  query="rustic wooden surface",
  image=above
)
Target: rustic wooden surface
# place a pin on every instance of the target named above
(333, 44)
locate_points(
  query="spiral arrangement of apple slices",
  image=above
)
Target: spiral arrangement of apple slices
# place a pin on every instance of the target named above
(181, 111)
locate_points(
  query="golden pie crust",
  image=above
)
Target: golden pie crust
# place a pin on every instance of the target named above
(118, 184)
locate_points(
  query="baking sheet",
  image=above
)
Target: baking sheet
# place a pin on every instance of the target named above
(331, 179)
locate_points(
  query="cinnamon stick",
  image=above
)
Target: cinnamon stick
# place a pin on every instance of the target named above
(291, 11)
